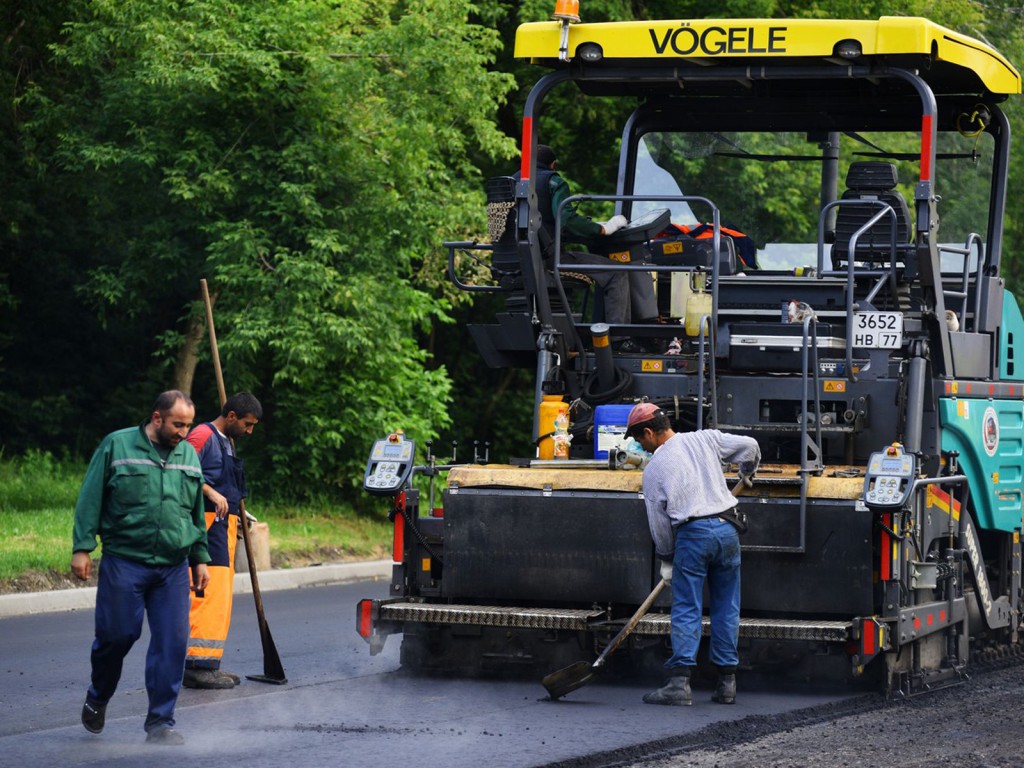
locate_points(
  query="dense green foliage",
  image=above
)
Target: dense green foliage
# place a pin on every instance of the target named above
(307, 157)
(294, 154)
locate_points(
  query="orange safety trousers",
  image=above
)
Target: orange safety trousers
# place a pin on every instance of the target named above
(210, 615)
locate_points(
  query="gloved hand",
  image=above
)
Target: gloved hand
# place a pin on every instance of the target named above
(746, 472)
(666, 570)
(615, 223)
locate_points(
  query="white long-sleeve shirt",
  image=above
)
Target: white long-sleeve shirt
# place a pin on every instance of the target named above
(684, 479)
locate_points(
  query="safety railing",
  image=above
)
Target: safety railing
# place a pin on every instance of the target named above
(465, 247)
(716, 247)
(967, 276)
(852, 270)
(706, 369)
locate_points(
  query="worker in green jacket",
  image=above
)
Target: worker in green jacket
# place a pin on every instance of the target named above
(628, 295)
(142, 496)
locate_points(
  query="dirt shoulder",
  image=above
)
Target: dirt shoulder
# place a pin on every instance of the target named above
(45, 581)
(51, 579)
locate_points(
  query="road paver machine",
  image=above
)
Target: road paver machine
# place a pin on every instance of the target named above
(820, 205)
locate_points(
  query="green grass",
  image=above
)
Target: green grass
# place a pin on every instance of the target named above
(34, 541)
(37, 501)
(319, 532)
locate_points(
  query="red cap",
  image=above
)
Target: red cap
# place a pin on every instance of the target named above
(641, 414)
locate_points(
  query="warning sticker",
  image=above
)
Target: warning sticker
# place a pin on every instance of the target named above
(833, 386)
(651, 366)
(620, 256)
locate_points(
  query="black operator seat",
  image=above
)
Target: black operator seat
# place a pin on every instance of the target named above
(506, 268)
(871, 180)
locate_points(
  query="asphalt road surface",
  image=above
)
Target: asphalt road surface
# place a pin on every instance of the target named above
(340, 707)
(976, 724)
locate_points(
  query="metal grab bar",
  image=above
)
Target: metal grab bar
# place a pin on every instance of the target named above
(851, 270)
(809, 354)
(707, 332)
(973, 240)
(716, 245)
(465, 246)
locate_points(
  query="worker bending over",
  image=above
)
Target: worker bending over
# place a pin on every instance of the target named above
(690, 514)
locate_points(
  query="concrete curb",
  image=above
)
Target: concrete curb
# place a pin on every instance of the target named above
(23, 604)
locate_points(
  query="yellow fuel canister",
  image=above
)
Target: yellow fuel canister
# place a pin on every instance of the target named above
(697, 305)
(550, 407)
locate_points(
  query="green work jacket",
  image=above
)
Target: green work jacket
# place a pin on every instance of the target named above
(142, 507)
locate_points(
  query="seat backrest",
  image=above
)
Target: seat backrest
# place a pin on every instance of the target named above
(501, 227)
(870, 181)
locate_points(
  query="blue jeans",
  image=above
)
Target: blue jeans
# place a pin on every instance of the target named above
(705, 549)
(125, 591)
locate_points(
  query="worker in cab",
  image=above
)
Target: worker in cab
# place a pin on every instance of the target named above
(628, 295)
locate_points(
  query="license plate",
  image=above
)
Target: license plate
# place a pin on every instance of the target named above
(878, 330)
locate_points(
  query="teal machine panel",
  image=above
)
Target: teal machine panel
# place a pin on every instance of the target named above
(989, 435)
(1011, 340)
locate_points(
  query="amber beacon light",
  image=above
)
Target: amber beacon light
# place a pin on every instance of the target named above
(567, 12)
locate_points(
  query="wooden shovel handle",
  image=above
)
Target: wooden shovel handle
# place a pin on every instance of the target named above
(631, 624)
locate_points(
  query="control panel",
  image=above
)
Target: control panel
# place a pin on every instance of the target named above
(889, 478)
(390, 464)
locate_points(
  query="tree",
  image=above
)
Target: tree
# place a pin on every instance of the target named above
(301, 155)
(307, 157)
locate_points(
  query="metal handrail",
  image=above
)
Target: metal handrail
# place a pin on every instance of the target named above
(706, 331)
(808, 355)
(716, 245)
(851, 270)
(810, 333)
(973, 239)
(466, 246)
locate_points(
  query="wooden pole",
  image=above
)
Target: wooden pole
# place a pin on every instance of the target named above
(214, 353)
(273, 671)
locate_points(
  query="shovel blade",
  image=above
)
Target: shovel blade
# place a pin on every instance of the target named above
(567, 680)
(273, 670)
(267, 679)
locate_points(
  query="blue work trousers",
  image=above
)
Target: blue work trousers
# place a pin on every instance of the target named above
(706, 549)
(125, 591)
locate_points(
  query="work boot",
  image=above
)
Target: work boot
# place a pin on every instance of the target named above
(208, 679)
(725, 693)
(675, 692)
(165, 736)
(234, 678)
(93, 716)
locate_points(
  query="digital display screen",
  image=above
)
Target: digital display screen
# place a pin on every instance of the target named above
(892, 466)
(393, 451)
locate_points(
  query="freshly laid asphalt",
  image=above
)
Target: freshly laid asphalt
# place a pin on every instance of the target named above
(25, 603)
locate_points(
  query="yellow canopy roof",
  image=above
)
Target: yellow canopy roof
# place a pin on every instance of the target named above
(772, 40)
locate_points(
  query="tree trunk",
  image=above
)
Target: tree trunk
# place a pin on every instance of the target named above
(188, 354)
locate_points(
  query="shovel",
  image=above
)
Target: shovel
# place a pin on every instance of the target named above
(567, 680)
(273, 671)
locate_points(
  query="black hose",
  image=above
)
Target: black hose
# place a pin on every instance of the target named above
(414, 529)
(623, 379)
